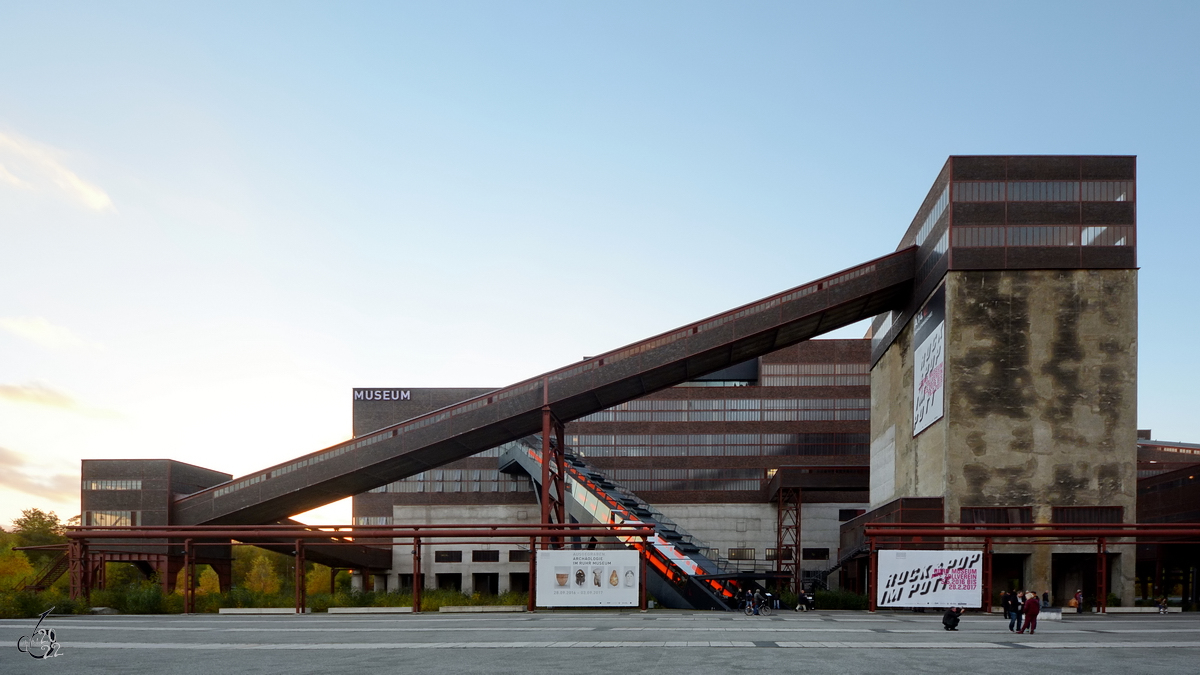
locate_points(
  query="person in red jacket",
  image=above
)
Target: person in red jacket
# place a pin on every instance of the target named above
(1032, 607)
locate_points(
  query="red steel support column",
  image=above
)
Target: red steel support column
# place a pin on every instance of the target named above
(1102, 575)
(100, 580)
(987, 574)
(189, 577)
(76, 564)
(560, 457)
(301, 579)
(787, 535)
(872, 571)
(546, 459)
(417, 574)
(642, 584)
(532, 605)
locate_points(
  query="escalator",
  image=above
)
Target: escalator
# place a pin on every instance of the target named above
(678, 564)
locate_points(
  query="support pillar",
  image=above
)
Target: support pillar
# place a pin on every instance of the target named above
(532, 604)
(553, 470)
(787, 536)
(301, 585)
(77, 567)
(1102, 575)
(872, 570)
(224, 572)
(416, 591)
(560, 455)
(189, 577)
(642, 575)
(987, 574)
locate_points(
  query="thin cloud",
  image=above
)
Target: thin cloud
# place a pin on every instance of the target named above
(40, 394)
(8, 177)
(43, 333)
(28, 165)
(20, 474)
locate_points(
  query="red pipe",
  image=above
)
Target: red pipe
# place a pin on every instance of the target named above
(159, 533)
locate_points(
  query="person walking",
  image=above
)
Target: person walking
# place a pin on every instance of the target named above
(1032, 606)
(1012, 611)
(1079, 601)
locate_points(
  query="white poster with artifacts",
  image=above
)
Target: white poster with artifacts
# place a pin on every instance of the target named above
(929, 361)
(930, 579)
(587, 578)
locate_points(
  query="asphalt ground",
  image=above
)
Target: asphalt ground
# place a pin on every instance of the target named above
(661, 641)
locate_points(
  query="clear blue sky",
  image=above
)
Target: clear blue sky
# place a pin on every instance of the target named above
(218, 218)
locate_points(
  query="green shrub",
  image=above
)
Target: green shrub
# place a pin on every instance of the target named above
(1113, 600)
(839, 600)
(25, 604)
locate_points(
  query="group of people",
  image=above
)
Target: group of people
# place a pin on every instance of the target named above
(1023, 607)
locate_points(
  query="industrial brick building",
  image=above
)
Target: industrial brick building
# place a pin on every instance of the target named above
(704, 453)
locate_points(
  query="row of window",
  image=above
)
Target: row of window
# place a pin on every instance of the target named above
(373, 520)
(735, 410)
(690, 440)
(815, 368)
(1045, 191)
(112, 485)
(1043, 235)
(719, 445)
(771, 554)
(111, 518)
(456, 556)
(816, 380)
(459, 480)
(1058, 514)
(689, 479)
(935, 255)
(813, 450)
(935, 213)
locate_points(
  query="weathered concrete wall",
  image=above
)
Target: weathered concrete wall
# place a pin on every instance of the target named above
(1042, 394)
(1042, 374)
(917, 465)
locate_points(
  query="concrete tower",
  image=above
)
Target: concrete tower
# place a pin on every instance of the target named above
(1009, 387)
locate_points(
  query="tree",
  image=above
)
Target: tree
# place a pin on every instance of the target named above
(38, 528)
(262, 577)
(14, 565)
(317, 579)
(209, 581)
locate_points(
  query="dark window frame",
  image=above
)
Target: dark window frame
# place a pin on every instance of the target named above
(814, 554)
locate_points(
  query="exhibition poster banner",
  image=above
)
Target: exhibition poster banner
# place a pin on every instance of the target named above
(930, 579)
(929, 361)
(587, 578)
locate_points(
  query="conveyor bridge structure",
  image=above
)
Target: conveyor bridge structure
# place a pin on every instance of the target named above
(511, 413)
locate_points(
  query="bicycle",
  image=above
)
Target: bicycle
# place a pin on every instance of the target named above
(764, 608)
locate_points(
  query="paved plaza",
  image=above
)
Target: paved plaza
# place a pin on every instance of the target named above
(660, 641)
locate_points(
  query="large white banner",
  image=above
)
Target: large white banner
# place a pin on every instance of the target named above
(587, 578)
(930, 579)
(929, 361)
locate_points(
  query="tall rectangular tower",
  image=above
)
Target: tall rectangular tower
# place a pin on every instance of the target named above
(1009, 386)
